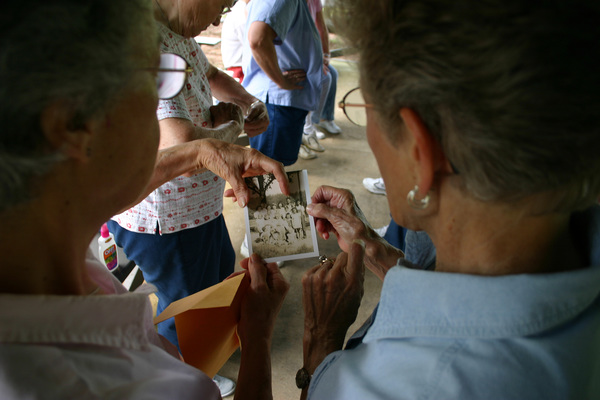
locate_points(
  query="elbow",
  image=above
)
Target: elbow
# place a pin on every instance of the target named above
(260, 36)
(256, 43)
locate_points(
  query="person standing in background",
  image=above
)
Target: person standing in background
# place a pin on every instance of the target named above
(233, 35)
(283, 67)
(323, 116)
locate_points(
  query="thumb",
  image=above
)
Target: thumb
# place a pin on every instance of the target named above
(257, 269)
(240, 189)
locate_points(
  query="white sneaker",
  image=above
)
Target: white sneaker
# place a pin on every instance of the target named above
(226, 386)
(376, 186)
(306, 153)
(330, 127)
(312, 142)
(321, 135)
(309, 128)
(381, 231)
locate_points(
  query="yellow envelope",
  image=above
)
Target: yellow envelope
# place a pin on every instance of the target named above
(206, 323)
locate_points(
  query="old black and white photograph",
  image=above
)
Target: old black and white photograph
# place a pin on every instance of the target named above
(278, 227)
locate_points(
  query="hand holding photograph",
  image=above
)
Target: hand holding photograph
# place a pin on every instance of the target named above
(278, 227)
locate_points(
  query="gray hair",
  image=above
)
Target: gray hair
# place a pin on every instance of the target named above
(77, 52)
(510, 89)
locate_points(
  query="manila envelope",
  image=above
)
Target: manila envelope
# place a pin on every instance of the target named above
(206, 323)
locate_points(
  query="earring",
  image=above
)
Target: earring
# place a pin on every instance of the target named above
(417, 204)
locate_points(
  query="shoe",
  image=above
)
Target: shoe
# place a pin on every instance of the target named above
(381, 231)
(312, 142)
(374, 185)
(306, 153)
(330, 127)
(321, 135)
(226, 386)
(245, 253)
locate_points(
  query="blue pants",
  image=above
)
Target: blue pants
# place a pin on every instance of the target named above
(281, 141)
(325, 111)
(179, 264)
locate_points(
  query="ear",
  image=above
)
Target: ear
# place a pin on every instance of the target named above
(427, 153)
(59, 130)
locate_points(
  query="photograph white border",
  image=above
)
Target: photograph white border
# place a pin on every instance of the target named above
(285, 250)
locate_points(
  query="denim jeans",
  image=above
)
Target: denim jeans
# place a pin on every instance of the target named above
(326, 107)
(281, 141)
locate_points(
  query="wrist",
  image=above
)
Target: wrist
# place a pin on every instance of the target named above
(380, 256)
(316, 348)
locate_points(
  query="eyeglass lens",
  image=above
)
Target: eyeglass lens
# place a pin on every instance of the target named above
(354, 107)
(169, 83)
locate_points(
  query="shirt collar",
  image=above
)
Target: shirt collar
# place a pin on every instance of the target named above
(416, 302)
(107, 320)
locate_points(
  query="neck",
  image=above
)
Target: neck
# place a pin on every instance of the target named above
(162, 13)
(43, 250)
(489, 239)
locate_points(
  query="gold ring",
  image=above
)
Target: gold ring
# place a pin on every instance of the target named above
(323, 259)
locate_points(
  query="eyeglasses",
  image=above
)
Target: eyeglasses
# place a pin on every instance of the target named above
(354, 107)
(171, 75)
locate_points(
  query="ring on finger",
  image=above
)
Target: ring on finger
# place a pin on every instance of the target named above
(324, 259)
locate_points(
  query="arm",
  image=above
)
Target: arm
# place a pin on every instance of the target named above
(336, 211)
(260, 38)
(227, 89)
(260, 307)
(227, 122)
(331, 296)
(324, 33)
(231, 162)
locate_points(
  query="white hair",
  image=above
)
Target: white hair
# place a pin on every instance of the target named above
(510, 89)
(77, 52)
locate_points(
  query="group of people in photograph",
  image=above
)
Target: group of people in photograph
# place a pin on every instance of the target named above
(280, 224)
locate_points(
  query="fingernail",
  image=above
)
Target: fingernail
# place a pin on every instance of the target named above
(309, 207)
(242, 203)
(360, 242)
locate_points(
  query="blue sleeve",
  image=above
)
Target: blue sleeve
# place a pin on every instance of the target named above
(278, 14)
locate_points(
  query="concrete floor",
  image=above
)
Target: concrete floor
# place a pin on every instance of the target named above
(345, 162)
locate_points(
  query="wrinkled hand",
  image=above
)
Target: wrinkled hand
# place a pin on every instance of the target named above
(257, 119)
(233, 163)
(224, 112)
(335, 210)
(331, 296)
(292, 78)
(262, 301)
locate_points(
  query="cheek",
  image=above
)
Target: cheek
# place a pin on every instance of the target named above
(374, 135)
(202, 19)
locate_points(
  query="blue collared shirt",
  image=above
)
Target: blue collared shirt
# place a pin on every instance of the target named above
(456, 336)
(298, 47)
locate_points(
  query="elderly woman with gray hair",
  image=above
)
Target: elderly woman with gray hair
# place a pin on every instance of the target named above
(483, 119)
(79, 86)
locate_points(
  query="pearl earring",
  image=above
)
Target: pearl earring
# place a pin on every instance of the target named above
(417, 204)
